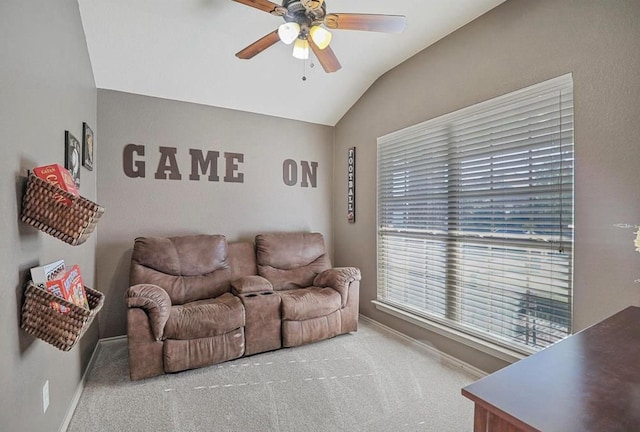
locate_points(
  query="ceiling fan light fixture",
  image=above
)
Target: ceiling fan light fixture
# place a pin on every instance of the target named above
(301, 49)
(288, 32)
(321, 37)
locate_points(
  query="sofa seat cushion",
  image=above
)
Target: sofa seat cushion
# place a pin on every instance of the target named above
(307, 303)
(205, 318)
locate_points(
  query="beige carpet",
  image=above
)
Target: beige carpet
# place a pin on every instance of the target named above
(372, 380)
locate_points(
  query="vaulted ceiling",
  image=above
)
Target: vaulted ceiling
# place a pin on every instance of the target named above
(185, 50)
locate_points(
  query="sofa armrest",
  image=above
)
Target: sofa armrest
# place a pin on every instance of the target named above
(250, 284)
(155, 302)
(339, 279)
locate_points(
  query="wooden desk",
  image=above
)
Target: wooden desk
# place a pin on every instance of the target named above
(589, 382)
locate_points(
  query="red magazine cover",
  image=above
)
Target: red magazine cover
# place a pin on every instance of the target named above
(69, 287)
(59, 176)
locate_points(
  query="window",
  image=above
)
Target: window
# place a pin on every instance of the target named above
(475, 218)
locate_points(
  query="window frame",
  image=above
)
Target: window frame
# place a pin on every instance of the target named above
(496, 346)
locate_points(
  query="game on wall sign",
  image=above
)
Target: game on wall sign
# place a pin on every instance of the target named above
(134, 166)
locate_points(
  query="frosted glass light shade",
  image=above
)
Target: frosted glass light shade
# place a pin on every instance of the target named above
(288, 32)
(321, 37)
(301, 49)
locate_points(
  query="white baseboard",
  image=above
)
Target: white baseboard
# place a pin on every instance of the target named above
(452, 361)
(78, 392)
(494, 350)
(80, 388)
(112, 339)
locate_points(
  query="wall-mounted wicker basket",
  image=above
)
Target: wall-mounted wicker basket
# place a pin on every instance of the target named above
(72, 223)
(62, 330)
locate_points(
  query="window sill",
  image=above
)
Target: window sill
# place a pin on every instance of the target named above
(481, 345)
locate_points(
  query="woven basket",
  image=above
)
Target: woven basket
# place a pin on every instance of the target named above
(72, 224)
(60, 330)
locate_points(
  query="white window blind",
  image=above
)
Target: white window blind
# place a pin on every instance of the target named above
(475, 217)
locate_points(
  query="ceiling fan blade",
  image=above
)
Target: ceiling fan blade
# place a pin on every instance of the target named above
(326, 57)
(258, 46)
(366, 22)
(264, 5)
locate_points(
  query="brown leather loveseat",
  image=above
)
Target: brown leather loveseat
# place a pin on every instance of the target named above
(197, 300)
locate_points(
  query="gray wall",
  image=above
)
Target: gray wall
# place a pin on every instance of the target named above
(147, 206)
(46, 87)
(520, 43)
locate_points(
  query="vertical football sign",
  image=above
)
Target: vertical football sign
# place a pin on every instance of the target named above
(351, 185)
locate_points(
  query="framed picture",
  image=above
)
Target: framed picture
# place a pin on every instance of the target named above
(73, 154)
(87, 147)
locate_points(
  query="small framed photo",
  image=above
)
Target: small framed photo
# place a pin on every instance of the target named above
(87, 147)
(73, 154)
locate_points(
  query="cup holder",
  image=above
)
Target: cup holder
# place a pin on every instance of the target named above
(251, 295)
(267, 293)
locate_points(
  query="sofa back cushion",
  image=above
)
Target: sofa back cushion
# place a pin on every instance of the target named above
(188, 268)
(242, 259)
(291, 260)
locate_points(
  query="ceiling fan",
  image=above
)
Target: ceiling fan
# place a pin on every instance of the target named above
(306, 23)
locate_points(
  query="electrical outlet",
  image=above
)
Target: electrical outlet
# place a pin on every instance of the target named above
(45, 396)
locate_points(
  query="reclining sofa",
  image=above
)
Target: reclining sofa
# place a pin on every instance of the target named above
(195, 301)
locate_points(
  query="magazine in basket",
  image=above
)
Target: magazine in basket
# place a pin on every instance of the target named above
(40, 275)
(69, 286)
(58, 176)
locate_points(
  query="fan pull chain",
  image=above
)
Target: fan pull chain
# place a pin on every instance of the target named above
(304, 69)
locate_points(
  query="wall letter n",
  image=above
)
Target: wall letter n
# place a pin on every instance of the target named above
(309, 174)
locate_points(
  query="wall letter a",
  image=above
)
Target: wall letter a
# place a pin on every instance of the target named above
(168, 163)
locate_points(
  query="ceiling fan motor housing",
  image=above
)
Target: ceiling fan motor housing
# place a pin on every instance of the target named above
(304, 16)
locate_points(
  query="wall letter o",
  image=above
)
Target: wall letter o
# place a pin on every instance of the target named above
(290, 172)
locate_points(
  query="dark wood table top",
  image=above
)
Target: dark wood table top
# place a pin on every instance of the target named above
(589, 382)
